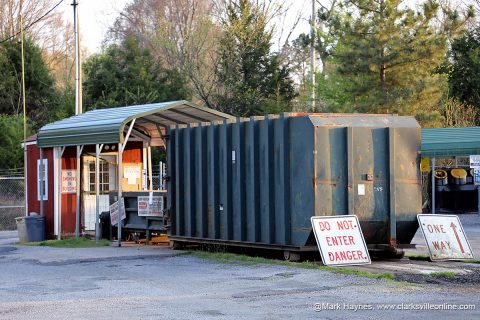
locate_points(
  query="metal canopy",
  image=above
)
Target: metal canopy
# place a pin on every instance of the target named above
(447, 142)
(108, 125)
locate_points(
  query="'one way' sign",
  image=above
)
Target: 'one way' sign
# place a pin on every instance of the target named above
(445, 237)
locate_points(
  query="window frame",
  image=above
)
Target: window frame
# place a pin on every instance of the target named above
(45, 180)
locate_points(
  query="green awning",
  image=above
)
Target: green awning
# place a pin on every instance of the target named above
(449, 142)
(108, 125)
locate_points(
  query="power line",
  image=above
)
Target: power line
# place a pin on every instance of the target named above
(31, 24)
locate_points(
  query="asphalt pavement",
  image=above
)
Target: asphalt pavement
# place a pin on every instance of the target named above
(156, 283)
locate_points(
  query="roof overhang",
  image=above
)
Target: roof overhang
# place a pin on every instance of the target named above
(110, 125)
(450, 142)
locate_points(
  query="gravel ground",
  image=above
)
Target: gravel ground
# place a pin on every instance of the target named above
(186, 287)
(130, 283)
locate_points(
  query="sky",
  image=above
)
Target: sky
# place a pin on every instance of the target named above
(96, 16)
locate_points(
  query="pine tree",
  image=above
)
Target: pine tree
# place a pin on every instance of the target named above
(389, 52)
(253, 80)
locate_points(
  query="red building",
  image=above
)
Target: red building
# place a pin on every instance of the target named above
(90, 155)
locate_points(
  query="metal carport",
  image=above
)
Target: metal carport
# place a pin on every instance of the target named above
(449, 142)
(147, 123)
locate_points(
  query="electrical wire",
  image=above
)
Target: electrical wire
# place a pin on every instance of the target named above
(34, 22)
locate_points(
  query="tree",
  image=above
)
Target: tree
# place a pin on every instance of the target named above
(464, 68)
(331, 89)
(383, 55)
(33, 13)
(11, 137)
(41, 99)
(49, 31)
(389, 52)
(127, 74)
(180, 34)
(253, 81)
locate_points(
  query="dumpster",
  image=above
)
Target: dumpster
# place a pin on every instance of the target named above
(31, 229)
(256, 182)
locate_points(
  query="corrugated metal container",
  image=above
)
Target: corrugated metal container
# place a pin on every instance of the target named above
(256, 182)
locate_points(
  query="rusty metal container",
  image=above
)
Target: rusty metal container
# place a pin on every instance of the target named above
(256, 182)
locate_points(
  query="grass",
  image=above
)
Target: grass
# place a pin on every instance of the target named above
(443, 274)
(232, 258)
(470, 261)
(69, 243)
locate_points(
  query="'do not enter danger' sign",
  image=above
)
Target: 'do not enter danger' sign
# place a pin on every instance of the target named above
(445, 237)
(340, 240)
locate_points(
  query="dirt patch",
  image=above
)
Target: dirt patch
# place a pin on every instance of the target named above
(472, 277)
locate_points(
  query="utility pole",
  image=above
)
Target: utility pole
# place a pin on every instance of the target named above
(78, 110)
(78, 65)
(312, 57)
(24, 103)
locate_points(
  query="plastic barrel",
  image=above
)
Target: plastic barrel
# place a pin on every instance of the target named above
(459, 175)
(35, 228)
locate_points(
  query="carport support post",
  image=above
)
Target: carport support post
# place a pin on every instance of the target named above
(119, 197)
(150, 179)
(121, 146)
(98, 149)
(77, 207)
(433, 185)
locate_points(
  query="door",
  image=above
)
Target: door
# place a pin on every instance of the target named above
(107, 174)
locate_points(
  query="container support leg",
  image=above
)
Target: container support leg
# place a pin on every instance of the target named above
(478, 199)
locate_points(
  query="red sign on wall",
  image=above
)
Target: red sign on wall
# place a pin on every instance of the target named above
(69, 181)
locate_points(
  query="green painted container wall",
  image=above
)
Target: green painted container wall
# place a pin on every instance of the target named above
(259, 180)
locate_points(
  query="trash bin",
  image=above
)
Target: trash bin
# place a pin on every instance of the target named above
(31, 229)
(22, 229)
(35, 226)
(105, 225)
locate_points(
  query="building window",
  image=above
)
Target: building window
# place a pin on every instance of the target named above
(42, 184)
(104, 177)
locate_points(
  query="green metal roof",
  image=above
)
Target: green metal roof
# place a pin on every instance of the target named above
(445, 142)
(108, 125)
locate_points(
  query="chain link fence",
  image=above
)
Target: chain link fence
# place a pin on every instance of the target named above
(12, 200)
(12, 194)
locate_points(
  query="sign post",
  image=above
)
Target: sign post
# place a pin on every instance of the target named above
(445, 237)
(475, 165)
(340, 240)
(115, 211)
